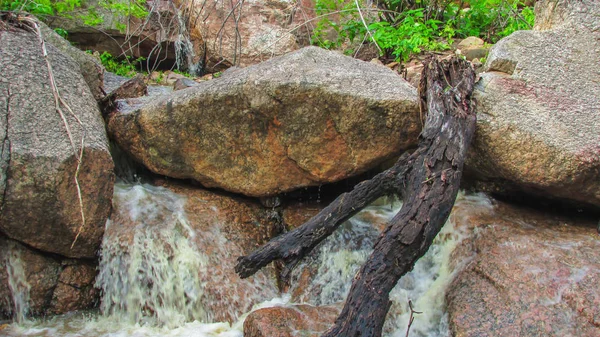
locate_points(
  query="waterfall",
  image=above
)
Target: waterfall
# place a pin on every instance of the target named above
(17, 281)
(342, 254)
(184, 49)
(154, 278)
(155, 274)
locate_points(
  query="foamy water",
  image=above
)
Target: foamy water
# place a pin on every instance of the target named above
(146, 294)
(17, 281)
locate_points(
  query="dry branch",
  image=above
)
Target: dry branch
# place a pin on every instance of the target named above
(432, 186)
(428, 179)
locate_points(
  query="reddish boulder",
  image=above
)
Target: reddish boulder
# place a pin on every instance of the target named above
(186, 242)
(531, 274)
(304, 119)
(33, 284)
(297, 320)
(244, 33)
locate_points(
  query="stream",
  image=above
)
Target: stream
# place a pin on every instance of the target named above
(154, 278)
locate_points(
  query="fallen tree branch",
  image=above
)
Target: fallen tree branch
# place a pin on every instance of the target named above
(428, 179)
(432, 186)
(294, 245)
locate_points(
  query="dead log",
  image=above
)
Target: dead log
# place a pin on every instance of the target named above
(428, 180)
(432, 186)
(294, 245)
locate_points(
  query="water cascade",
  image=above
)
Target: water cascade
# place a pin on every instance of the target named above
(17, 282)
(184, 49)
(158, 280)
(155, 278)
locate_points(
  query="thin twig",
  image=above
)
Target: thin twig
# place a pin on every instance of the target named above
(362, 18)
(412, 317)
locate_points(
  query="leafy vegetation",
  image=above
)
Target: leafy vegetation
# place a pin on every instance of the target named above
(402, 28)
(125, 67)
(76, 9)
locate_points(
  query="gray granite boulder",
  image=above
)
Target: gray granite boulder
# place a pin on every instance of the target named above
(539, 107)
(38, 195)
(307, 118)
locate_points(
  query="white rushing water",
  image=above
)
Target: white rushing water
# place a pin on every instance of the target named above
(17, 282)
(152, 279)
(155, 279)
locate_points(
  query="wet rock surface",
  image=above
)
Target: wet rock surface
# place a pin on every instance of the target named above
(298, 320)
(39, 198)
(43, 284)
(205, 232)
(538, 107)
(531, 273)
(304, 119)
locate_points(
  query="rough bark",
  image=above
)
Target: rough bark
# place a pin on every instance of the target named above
(292, 246)
(432, 185)
(428, 179)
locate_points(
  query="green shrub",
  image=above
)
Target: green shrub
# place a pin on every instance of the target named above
(404, 28)
(177, 71)
(76, 9)
(411, 35)
(490, 19)
(125, 67)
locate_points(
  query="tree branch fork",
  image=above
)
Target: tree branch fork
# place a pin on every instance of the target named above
(427, 180)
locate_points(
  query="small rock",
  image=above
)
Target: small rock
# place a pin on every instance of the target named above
(184, 83)
(471, 41)
(298, 320)
(171, 77)
(392, 65)
(413, 74)
(376, 61)
(473, 52)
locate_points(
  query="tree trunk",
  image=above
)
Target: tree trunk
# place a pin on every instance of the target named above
(428, 179)
(432, 185)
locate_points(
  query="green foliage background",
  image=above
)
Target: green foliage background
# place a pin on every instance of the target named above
(403, 28)
(76, 9)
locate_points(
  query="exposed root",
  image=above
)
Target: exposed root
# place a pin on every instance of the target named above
(59, 103)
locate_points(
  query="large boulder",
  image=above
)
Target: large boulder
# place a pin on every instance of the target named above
(236, 33)
(529, 273)
(174, 249)
(539, 114)
(33, 284)
(90, 67)
(308, 118)
(38, 194)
